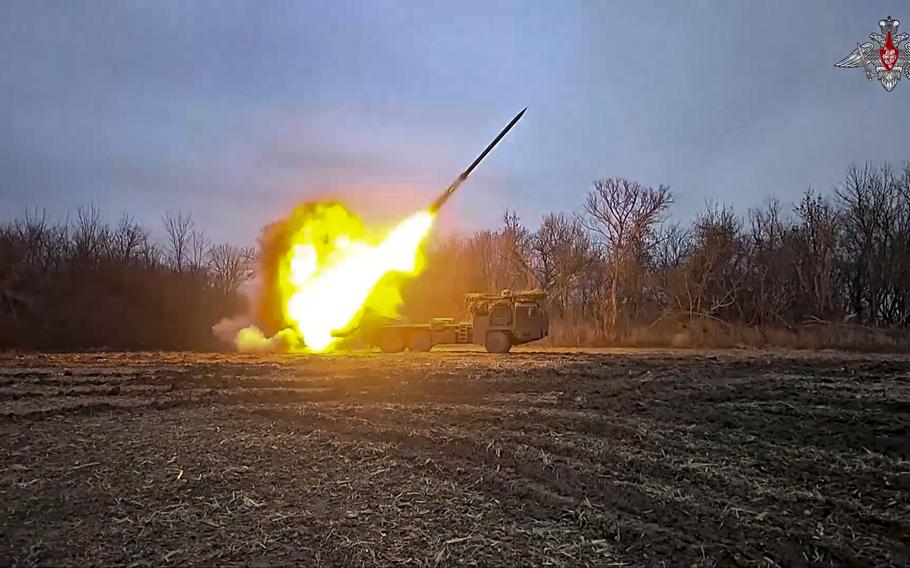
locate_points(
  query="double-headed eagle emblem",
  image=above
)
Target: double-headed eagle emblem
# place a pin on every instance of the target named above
(887, 60)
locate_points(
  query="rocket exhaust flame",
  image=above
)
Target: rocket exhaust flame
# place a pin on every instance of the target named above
(326, 293)
(331, 270)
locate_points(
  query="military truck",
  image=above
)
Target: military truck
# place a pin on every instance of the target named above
(497, 321)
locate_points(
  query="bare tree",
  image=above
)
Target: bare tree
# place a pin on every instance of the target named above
(129, 240)
(199, 248)
(90, 234)
(902, 246)
(715, 267)
(770, 283)
(815, 241)
(674, 248)
(179, 231)
(515, 252)
(624, 216)
(874, 220)
(230, 267)
(31, 237)
(483, 261)
(562, 255)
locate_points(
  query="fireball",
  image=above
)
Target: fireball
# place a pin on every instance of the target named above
(334, 269)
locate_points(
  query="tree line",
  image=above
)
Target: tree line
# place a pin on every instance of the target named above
(828, 270)
(84, 283)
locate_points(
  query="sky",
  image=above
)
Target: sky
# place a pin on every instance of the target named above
(237, 111)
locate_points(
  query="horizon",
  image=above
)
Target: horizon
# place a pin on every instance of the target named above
(441, 231)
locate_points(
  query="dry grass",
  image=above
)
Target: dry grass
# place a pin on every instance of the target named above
(706, 333)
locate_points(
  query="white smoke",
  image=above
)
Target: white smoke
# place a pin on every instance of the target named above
(226, 329)
(248, 338)
(251, 340)
(240, 330)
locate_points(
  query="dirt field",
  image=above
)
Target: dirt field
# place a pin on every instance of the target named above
(455, 458)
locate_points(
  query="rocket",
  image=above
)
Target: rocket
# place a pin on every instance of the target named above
(440, 201)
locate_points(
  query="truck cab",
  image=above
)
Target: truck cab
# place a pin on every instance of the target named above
(499, 322)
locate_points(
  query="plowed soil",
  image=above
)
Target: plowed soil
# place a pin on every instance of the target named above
(455, 458)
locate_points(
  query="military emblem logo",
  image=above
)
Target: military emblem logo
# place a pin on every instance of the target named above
(885, 59)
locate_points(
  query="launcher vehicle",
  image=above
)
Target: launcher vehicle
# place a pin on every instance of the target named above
(497, 321)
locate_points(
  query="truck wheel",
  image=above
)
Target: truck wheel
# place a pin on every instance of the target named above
(498, 342)
(390, 342)
(420, 341)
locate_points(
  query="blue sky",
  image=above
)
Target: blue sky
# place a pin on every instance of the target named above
(236, 111)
